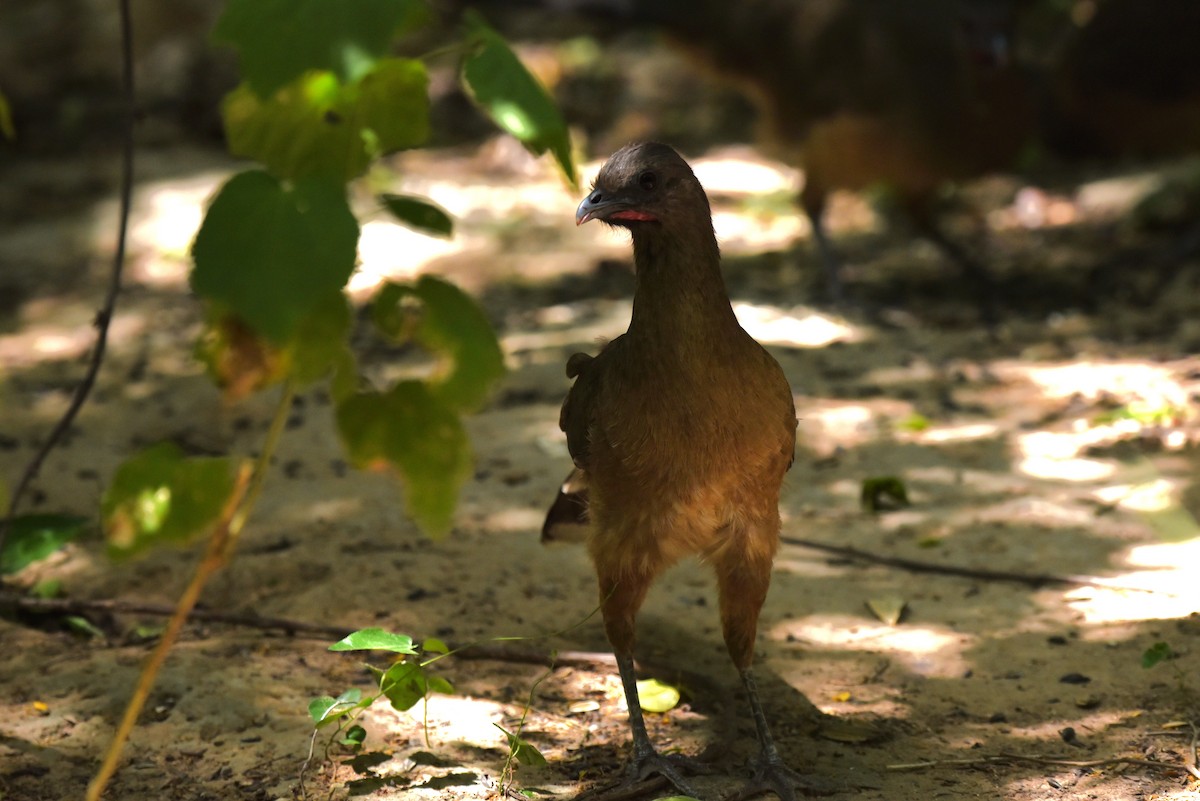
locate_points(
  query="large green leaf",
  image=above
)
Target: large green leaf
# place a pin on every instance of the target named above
(375, 639)
(278, 40)
(160, 495)
(271, 253)
(404, 684)
(321, 341)
(500, 85)
(34, 537)
(449, 323)
(410, 430)
(317, 125)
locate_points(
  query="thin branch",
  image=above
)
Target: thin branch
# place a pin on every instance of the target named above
(1040, 760)
(916, 566)
(75, 606)
(221, 545)
(481, 651)
(1189, 761)
(104, 316)
(214, 558)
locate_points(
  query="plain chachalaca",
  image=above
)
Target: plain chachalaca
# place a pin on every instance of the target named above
(861, 93)
(1127, 82)
(681, 431)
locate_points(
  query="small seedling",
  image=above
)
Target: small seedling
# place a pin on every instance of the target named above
(880, 493)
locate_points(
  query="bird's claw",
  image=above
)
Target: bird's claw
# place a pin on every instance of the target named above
(648, 773)
(669, 766)
(772, 776)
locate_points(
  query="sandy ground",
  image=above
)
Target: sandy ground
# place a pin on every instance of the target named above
(1068, 446)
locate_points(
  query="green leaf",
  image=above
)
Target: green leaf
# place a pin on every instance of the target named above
(404, 684)
(279, 39)
(882, 492)
(317, 707)
(326, 710)
(500, 85)
(34, 537)
(321, 341)
(46, 588)
(435, 646)
(81, 625)
(160, 495)
(413, 432)
(272, 254)
(654, 696)
(525, 752)
(316, 126)
(914, 422)
(375, 639)
(439, 684)
(1155, 654)
(355, 736)
(419, 213)
(446, 321)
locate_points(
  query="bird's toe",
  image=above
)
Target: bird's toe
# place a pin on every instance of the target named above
(672, 767)
(772, 776)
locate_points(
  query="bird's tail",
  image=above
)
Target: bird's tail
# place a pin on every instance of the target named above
(567, 518)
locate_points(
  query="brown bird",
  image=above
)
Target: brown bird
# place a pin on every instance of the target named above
(681, 431)
(861, 93)
(1128, 82)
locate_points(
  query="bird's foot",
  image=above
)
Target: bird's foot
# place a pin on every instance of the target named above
(649, 773)
(772, 776)
(672, 767)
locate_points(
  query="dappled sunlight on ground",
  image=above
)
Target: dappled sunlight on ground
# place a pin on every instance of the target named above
(1080, 463)
(1169, 574)
(924, 650)
(801, 328)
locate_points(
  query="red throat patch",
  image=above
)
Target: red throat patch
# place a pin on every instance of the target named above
(633, 215)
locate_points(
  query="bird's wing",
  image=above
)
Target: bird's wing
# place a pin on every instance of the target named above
(579, 409)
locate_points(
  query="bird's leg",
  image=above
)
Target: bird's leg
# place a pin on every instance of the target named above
(743, 575)
(620, 598)
(814, 209)
(646, 761)
(975, 274)
(771, 775)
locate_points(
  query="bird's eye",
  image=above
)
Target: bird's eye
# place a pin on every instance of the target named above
(648, 180)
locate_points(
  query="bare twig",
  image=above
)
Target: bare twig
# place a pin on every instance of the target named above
(1189, 760)
(1166, 767)
(221, 545)
(215, 557)
(1032, 579)
(104, 316)
(75, 606)
(483, 651)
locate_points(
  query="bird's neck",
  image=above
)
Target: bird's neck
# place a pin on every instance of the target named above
(679, 295)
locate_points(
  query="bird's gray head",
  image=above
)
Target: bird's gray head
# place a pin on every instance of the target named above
(644, 185)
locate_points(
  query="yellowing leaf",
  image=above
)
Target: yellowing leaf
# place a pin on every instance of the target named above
(889, 608)
(654, 696)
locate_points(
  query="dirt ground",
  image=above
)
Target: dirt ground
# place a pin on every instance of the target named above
(1066, 444)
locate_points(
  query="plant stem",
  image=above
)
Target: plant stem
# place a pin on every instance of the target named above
(220, 547)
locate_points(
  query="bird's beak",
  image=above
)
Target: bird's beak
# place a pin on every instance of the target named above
(601, 205)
